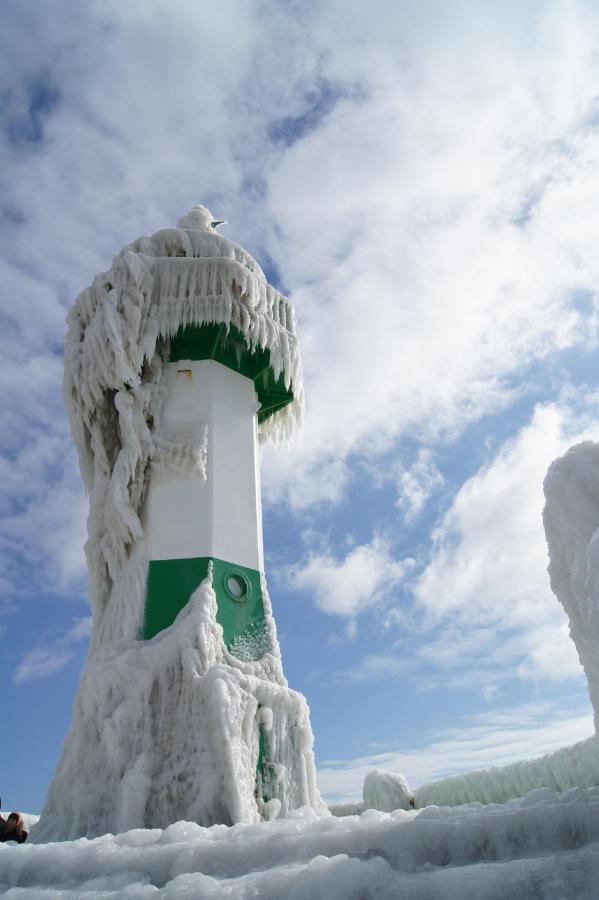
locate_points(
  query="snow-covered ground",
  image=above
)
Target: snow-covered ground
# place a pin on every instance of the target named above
(545, 845)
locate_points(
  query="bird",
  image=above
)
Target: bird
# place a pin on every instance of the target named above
(200, 219)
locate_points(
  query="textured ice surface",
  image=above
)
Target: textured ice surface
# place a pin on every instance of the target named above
(544, 845)
(168, 728)
(386, 791)
(569, 767)
(571, 518)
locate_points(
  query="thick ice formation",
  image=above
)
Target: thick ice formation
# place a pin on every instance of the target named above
(168, 728)
(571, 519)
(567, 768)
(544, 845)
(386, 791)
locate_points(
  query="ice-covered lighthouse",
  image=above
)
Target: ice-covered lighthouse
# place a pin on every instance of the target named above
(178, 361)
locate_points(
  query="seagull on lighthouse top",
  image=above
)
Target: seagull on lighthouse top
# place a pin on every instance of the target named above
(199, 219)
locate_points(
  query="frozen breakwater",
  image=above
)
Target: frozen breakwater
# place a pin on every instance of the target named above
(543, 845)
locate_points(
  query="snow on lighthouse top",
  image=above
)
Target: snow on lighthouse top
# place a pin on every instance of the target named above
(120, 326)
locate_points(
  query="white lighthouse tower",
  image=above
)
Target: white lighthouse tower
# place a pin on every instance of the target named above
(178, 361)
(219, 390)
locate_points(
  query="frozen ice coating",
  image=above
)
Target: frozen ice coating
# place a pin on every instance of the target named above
(571, 518)
(386, 791)
(176, 360)
(567, 768)
(545, 845)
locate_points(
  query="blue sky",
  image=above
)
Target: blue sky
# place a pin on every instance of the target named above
(421, 178)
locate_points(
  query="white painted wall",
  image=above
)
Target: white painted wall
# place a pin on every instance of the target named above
(186, 516)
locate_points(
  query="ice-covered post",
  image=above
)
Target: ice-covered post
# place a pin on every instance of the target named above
(219, 389)
(177, 361)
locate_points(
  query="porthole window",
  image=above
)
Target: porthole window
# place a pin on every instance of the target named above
(237, 586)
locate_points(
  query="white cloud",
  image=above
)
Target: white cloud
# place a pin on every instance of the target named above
(349, 586)
(44, 660)
(81, 629)
(495, 738)
(42, 522)
(552, 656)
(424, 230)
(418, 483)
(492, 539)
(489, 692)
(483, 611)
(41, 662)
(486, 584)
(378, 667)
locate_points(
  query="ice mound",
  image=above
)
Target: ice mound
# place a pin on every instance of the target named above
(544, 845)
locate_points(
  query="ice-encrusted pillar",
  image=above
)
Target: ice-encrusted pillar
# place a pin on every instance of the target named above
(178, 360)
(571, 518)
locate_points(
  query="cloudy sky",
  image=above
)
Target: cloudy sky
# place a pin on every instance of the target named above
(422, 178)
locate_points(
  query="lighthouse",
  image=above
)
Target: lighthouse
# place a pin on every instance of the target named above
(179, 361)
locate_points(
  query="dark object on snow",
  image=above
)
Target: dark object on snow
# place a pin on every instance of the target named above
(13, 828)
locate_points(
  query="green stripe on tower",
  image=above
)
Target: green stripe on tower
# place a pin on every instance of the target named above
(240, 608)
(231, 350)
